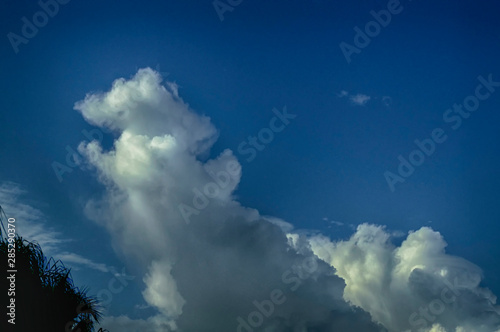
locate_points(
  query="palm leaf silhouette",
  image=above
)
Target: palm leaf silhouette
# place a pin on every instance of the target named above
(46, 298)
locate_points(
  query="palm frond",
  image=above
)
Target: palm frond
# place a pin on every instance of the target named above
(46, 297)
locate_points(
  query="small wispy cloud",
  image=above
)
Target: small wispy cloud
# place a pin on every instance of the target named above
(360, 99)
(33, 220)
(142, 306)
(338, 223)
(387, 101)
(343, 93)
(80, 261)
(398, 234)
(34, 227)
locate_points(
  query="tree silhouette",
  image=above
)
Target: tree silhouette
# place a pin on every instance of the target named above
(45, 297)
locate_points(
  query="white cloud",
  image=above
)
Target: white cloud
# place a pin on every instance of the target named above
(394, 283)
(34, 224)
(387, 101)
(76, 260)
(162, 291)
(205, 274)
(343, 93)
(125, 324)
(360, 99)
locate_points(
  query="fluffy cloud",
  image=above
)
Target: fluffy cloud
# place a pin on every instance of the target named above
(413, 286)
(210, 264)
(207, 274)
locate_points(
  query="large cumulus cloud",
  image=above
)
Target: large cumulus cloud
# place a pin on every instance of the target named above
(210, 264)
(415, 286)
(204, 275)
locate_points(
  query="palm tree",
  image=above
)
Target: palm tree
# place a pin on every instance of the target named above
(45, 297)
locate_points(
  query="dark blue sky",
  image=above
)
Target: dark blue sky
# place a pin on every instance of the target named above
(329, 162)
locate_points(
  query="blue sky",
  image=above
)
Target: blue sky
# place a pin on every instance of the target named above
(323, 174)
